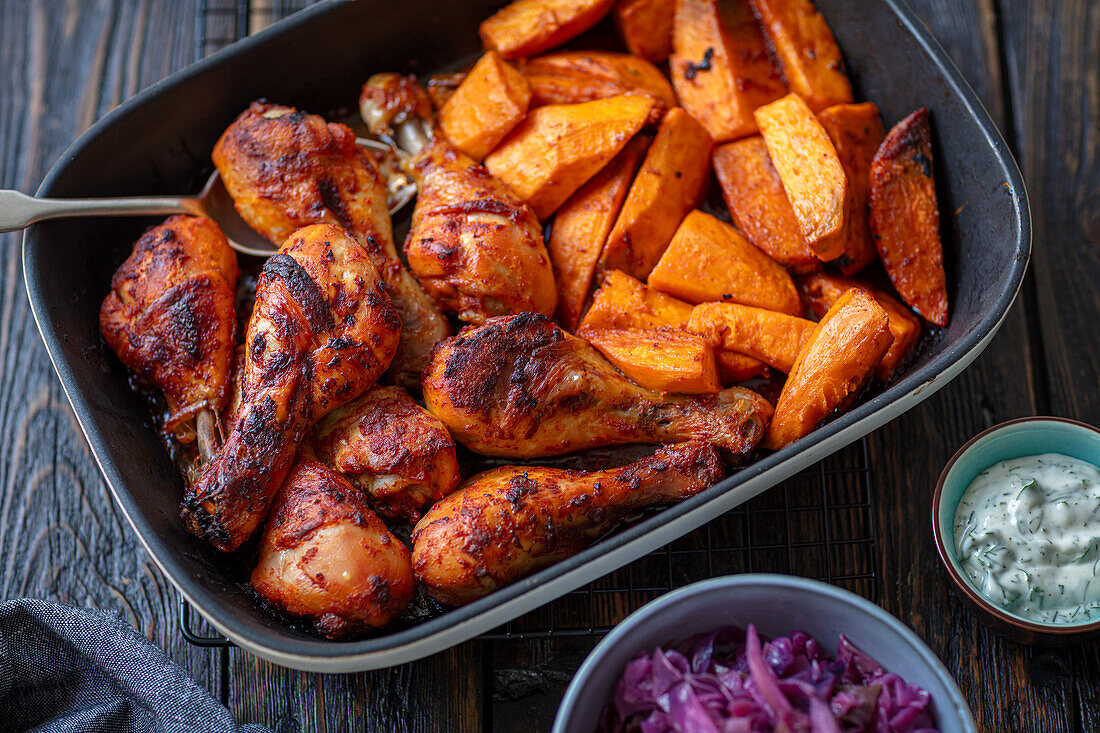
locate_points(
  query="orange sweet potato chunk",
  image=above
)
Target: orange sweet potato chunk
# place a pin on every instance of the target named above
(772, 337)
(905, 219)
(440, 87)
(811, 172)
(820, 291)
(708, 260)
(734, 368)
(557, 148)
(528, 27)
(581, 227)
(856, 132)
(665, 361)
(720, 66)
(646, 27)
(624, 302)
(811, 58)
(668, 186)
(489, 102)
(836, 360)
(569, 77)
(759, 205)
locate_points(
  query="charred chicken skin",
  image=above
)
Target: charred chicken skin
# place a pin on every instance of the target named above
(475, 247)
(286, 169)
(392, 449)
(507, 523)
(322, 331)
(326, 557)
(521, 387)
(170, 318)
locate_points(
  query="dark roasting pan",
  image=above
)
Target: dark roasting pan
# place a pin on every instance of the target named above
(159, 142)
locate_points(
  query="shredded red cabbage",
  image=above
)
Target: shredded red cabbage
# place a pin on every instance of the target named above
(732, 681)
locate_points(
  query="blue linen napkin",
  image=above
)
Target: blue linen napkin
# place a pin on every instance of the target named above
(76, 670)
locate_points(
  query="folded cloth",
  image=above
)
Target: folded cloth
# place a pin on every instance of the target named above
(70, 670)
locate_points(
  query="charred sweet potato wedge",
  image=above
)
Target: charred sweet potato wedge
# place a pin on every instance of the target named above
(440, 87)
(666, 360)
(489, 102)
(708, 260)
(734, 368)
(856, 132)
(581, 227)
(557, 148)
(624, 303)
(668, 186)
(759, 205)
(820, 291)
(836, 360)
(569, 77)
(811, 172)
(529, 27)
(772, 337)
(646, 27)
(720, 66)
(811, 58)
(905, 218)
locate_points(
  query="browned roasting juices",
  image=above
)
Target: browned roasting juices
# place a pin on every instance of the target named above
(566, 184)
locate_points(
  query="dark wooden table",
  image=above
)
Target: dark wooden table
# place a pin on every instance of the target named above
(1035, 65)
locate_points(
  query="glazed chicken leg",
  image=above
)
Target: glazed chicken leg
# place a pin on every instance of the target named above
(476, 248)
(326, 557)
(169, 317)
(322, 331)
(521, 387)
(286, 169)
(507, 523)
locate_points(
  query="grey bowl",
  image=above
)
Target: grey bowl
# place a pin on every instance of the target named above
(776, 604)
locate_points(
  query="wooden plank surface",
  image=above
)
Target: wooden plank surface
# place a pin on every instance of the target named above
(1035, 65)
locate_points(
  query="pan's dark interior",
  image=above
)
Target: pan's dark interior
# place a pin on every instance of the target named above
(160, 142)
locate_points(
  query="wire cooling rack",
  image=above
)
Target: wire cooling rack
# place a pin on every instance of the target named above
(817, 524)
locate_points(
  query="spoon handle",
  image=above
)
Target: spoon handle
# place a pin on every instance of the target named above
(17, 210)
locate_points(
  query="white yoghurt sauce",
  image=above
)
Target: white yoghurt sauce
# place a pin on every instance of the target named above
(1027, 531)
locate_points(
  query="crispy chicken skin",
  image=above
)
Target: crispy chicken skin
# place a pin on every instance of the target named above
(322, 331)
(521, 387)
(169, 316)
(507, 523)
(392, 449)
(326, 557)
(475, 247)
(286, 169)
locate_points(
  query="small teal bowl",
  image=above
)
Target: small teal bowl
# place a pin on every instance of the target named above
(1025, 436)
(776, 605)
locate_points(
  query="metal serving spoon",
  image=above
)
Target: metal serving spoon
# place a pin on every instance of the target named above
(18, 211)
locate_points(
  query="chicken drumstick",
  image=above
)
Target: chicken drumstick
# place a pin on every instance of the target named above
(322, 331)
(521, 387)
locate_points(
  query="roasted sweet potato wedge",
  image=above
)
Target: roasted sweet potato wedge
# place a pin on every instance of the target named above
(668, 186)
(440, 87)
(811, 58)
(666, 360)
(569, 77)
(772, 337)
(734, 368)
(836, 360)
(557, 148)
(529, 27)
(581, 227)
(759, 205)
(623, 302)
(721, 67)
(856, 132)
(905, 219)
(646, 27)
(491, 100)
(820, 291)
(812, 174)
(708, 260)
